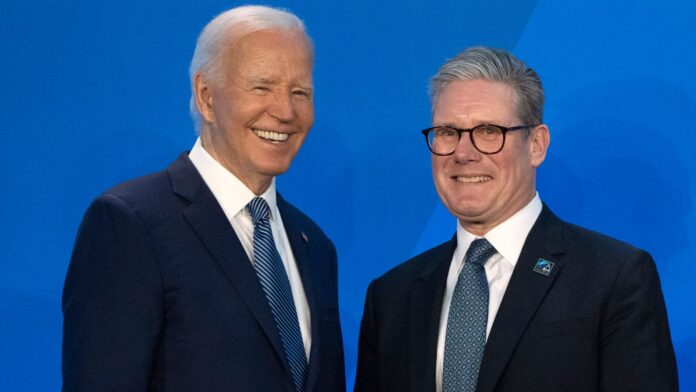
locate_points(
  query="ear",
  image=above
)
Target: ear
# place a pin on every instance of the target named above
(202, 91)
(539, 140)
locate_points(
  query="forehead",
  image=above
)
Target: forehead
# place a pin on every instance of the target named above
(475, 101)
(272, 50)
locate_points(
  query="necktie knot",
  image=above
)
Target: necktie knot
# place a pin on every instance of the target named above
(258, 209)
(479, 251)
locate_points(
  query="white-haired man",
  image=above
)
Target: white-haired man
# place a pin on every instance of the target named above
(201, 277)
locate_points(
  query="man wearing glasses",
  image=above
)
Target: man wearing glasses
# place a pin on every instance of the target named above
(518, 300)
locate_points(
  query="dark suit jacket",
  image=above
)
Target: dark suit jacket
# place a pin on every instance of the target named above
(161, 296)
(596, 323)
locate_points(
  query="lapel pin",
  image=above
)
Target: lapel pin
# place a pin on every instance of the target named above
(304, 237)
(544, 267)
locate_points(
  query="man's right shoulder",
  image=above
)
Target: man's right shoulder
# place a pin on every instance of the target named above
(151, 196)
(153, 190)
(141, 189)
(419, 265)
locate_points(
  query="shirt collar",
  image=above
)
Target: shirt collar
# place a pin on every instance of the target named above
(507, 238)
(230, 192)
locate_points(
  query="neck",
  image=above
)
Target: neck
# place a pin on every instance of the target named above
(481, 227)
(258, 184)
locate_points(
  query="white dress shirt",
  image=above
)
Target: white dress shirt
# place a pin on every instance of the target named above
(233, 196)
(508, 239)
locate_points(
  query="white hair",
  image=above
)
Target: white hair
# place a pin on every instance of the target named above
(227, 29)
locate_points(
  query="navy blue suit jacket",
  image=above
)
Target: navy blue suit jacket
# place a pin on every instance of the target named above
(161, 296)
(597, 322)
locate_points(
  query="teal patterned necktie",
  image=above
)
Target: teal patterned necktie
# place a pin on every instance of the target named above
(466, 322)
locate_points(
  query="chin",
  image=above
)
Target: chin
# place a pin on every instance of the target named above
(470, 216)
(473, 204)
(274, 170)
(468, 211)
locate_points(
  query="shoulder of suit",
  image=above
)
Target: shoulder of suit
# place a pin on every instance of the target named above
(150, 197)
(415, 266)
(143, 191)
(581, 240)
(593, 243)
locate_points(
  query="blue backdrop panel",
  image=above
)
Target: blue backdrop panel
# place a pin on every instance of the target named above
(95, 93)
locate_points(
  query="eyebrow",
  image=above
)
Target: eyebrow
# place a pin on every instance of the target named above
(270, 81)
(478, 124)
(262, 80)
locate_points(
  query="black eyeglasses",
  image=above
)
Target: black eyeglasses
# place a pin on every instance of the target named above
(486, 138)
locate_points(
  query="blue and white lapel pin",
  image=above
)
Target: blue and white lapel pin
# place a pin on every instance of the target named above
(544, 267)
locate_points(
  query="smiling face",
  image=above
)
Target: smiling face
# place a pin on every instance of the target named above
(256, 118)
(482, 190)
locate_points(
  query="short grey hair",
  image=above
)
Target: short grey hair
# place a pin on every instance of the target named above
(224, 31)
(495, 65)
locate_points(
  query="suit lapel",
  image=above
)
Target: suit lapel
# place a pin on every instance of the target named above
(525, 292)
(299, 242)
(206, 218)
(424, 317)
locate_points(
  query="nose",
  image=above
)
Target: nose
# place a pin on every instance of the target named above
(282, 107)
(465, 151)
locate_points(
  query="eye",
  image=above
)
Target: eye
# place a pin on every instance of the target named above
(445, 132)
(301, 93)
(260, 88)
(488, 130)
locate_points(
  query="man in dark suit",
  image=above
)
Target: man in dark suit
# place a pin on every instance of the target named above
(201, 277)
(518, 300)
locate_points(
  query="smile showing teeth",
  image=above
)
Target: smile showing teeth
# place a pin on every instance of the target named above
(474, 179)
(271, 136)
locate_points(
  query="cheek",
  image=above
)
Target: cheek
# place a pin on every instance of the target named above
(438, 165)
(516, 176)
(510, 165)
(440, 178)
(305, 114)
(231, 118)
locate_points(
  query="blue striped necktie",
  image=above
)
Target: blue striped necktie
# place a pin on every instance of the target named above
(274, 280)
(466, 322)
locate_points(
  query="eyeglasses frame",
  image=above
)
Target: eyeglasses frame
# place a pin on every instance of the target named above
(471, 136)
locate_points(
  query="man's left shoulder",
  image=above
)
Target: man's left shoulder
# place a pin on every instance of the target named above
(595, 255)
(584, 245)
(593, 243)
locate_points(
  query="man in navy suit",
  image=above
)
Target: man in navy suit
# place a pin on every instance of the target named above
(169, 286)
(518, 300)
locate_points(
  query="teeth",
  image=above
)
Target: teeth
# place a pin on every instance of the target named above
(473, 179)
(270, 135)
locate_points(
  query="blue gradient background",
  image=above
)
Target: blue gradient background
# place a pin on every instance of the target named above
(94, 93)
